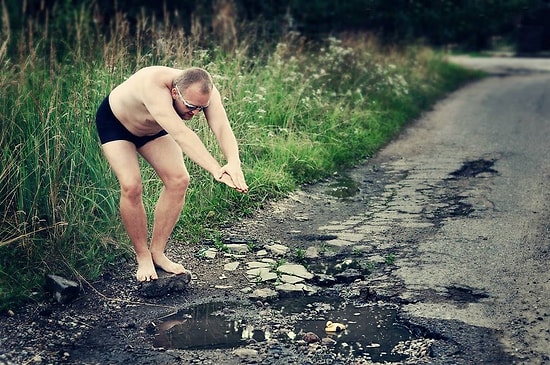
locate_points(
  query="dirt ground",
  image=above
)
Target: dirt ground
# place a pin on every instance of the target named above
(434, 251)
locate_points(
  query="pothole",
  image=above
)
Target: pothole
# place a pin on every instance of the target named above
(371, 331)
(343, 187)
(475, 168)
(464, 294)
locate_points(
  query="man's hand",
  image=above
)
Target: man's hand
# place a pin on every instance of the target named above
(226, 179)
(233, 176)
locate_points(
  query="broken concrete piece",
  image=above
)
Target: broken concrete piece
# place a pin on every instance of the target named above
(295, 270)
(261, 274)
(63, 290)
(264, 294)
(257, 265)
(287, 290)
(165, 284)
(277, 249)
(237, 247)
(261, 253)
(231, 266)
(210, 253)
(291, 279)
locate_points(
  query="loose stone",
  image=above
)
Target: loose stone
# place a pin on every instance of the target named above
(245, 353)
(210, 253)
(256, 264)
(291, 279)
(237, 247)
(264, 293)
(262, 274)
(296, 270)
(311, 337)
(232, 266)
(277, 249)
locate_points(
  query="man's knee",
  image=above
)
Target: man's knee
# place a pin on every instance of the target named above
(178, 182)
(131, 190)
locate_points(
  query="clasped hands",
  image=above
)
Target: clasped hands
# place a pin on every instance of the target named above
(232, 176)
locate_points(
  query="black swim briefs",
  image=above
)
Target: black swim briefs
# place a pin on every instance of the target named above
(110, 129)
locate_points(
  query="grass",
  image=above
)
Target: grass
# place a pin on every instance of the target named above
(300, 111)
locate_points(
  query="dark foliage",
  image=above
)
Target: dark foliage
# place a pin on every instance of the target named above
(467, 24)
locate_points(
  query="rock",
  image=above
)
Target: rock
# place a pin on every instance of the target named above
(291, 279)
(312, 252)
(349, 276)
(295, 270)
(264, 293)
(261, 274)
(294, 289)
(261, 253)
(63, 290)
(165, 284)
(256, 264)
(277, 249)
(327, 341)
(269, 261)
(223, 287)
(210, 253)
(245, 353)
(232, 266)
(237, 247)
(311, 337)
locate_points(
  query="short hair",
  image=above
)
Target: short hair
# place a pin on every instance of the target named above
(192, 76)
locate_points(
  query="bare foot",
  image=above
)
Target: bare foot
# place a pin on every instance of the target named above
(168, 265)
(146, 269)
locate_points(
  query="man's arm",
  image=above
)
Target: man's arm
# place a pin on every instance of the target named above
(158, 101)
(219, 124)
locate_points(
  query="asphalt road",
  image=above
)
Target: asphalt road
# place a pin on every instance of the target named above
(491, 256)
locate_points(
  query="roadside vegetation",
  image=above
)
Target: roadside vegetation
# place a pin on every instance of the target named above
(301, 110)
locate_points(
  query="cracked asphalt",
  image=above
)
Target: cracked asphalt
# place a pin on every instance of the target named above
(461, 199)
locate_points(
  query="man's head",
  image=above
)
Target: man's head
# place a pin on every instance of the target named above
(192, 89)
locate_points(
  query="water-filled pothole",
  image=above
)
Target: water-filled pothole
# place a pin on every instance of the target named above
(371, 330)
(343, 187)
(205, 326)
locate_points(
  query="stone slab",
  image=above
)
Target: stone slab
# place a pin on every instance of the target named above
(166, 283)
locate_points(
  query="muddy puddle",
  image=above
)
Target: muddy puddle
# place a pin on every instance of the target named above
(370, 331)
(343, 187)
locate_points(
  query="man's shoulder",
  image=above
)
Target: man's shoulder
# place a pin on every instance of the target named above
(155, 75)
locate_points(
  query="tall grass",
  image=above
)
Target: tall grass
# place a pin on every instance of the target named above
(300, 112)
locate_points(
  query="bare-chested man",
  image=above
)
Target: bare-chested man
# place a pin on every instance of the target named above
(144, 115)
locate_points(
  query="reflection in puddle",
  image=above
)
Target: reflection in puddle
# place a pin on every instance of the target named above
(203, 326)
(371, 330)
(343, 187)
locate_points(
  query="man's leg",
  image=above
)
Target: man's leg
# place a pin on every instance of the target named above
(166, 158)
(123, 159)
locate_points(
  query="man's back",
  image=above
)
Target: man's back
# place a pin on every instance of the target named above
(128, 99)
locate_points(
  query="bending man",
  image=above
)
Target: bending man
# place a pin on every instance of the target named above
(144, 115)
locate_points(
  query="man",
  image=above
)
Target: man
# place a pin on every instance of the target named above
(144, 115)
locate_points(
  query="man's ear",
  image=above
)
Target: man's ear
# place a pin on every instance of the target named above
(174, 93)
